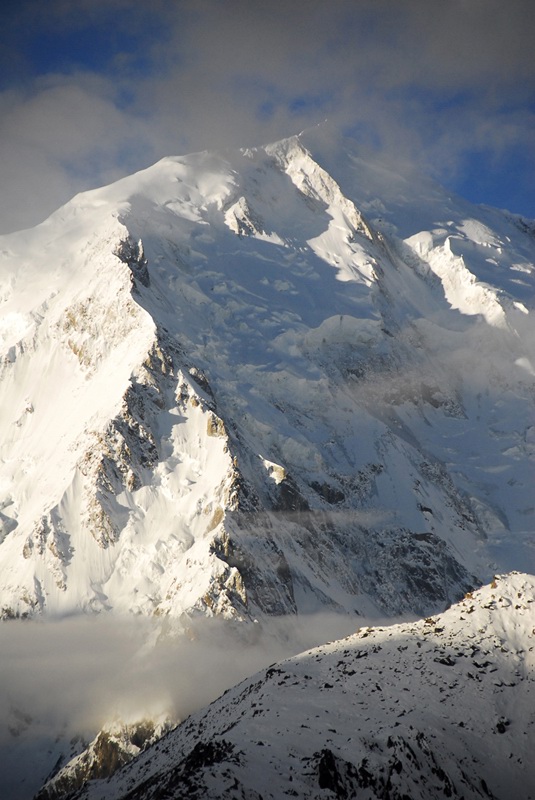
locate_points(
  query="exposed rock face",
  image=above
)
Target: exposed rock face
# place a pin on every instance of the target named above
(131, 253)
(112, 748)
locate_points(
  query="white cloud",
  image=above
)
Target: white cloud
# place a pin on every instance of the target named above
(82, 671)
(424, 81)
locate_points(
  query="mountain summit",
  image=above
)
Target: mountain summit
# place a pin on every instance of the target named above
(254, 386)
(266, 381)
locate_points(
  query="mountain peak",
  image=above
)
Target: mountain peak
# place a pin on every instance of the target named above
(268, 383)
(330, 343)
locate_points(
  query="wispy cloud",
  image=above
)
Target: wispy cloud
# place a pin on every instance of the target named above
(80, 672)
(93, 90)
(72, 676)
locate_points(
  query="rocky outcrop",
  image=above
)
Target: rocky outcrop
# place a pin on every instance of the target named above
(112, 748)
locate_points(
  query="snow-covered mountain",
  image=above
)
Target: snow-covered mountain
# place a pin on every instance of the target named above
(444, 707)
(240, 384)
(264, 383)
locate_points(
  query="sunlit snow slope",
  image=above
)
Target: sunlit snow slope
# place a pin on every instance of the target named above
(443, 707)
(265, 382)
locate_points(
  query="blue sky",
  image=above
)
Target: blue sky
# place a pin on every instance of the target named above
(91, 90)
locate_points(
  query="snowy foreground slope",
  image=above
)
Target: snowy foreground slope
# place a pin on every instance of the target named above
(443, 707)
(238, 384)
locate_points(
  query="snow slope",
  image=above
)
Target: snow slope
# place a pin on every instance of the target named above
(240, 384)
(443, 707)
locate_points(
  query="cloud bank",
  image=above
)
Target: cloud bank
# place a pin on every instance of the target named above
(81, 672)
(71, 677)
(93, 90)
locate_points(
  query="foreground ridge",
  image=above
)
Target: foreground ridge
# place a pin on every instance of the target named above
(439, 707)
